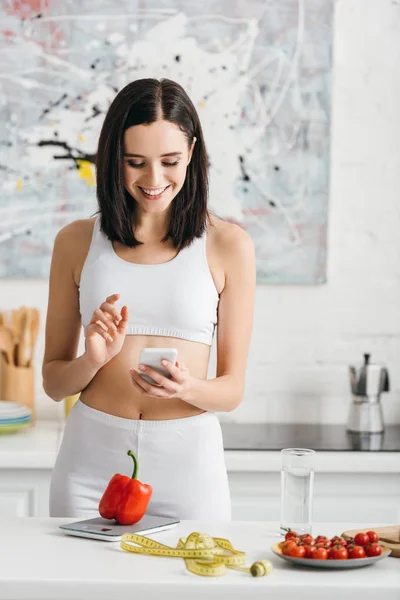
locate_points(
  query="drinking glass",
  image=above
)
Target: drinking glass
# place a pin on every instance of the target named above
(297, 480)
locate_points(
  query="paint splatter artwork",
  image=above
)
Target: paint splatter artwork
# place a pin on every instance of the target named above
(258, 72)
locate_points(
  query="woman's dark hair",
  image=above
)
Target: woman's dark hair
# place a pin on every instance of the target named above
(146, 101)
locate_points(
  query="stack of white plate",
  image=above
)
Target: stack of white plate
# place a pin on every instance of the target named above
(14, 416)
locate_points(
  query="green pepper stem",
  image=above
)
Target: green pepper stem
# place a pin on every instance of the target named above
(135, 464)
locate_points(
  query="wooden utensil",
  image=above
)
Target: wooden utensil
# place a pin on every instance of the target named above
(16, 320)
(388, 537)
(7, 343)
(34, 330)
(25, 338)
(15, 323)
(5, 319)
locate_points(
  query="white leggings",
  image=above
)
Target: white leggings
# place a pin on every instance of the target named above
(182, 459)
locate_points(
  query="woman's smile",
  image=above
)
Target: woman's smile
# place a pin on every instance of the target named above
(153, 193)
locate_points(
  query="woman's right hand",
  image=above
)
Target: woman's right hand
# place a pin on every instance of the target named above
(105, 334)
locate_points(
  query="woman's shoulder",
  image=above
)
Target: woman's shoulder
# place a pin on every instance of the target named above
(72, 243)
(229, 238)
(80, 228)
(76, 232)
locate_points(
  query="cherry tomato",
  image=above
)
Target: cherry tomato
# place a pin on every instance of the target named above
(323, 541)
(338, 539)
(323, 544)
(297, 551)
(310, 551)
(321, 554)
(338, 552)
(361, 539)
(373, 549)
(289, 534)
(373, 536)
(307, 539)
(356, 551)
(285, 546)
(296, 540)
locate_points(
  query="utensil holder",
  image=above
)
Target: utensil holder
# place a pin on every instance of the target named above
(17, 384)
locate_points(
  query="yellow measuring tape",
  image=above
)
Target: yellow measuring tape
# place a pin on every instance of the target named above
(203, 554)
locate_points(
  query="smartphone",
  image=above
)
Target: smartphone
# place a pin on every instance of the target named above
(152, 357)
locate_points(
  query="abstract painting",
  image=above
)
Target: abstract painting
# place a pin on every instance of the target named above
(258, 72)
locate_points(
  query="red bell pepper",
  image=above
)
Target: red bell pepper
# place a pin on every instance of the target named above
(125, 499)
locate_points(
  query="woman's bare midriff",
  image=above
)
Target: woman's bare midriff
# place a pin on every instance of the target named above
(112, 391)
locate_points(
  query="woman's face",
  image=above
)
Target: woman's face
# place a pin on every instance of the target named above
(156, 156)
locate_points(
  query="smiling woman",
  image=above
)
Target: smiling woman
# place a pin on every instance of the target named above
(152, 138)
(153, 270)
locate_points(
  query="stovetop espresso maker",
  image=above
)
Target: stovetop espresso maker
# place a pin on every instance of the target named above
(367, 383)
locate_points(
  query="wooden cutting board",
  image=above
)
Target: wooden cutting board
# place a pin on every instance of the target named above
(388, 537)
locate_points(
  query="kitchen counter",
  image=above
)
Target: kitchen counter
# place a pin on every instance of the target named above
(322, 438)
(248, 447)
(33, 448)
(39, 562)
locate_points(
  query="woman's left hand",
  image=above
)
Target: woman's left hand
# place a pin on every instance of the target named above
(178, 386)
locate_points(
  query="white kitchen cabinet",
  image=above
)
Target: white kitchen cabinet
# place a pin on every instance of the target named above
(24, 492)
(353, 486)
(26, 462)
(356, 497)
(349, 486)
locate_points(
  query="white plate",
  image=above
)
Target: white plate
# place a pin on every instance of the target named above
(11, 410)
(350, 563)
(5, 429)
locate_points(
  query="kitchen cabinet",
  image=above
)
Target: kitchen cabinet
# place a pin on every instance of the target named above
(26, 461)
(349, 486)
(24, 492)
(357, 497)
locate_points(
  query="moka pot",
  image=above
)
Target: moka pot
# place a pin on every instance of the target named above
(367, 384)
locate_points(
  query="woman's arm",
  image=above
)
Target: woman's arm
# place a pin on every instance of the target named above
(63, 373)
(235, 320)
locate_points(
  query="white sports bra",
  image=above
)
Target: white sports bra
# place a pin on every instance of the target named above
(173, 299)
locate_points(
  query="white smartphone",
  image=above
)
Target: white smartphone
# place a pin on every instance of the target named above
(152, 357)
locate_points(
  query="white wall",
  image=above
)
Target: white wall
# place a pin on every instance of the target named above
(305, 336)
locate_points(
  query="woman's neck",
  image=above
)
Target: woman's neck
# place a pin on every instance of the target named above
(151, 227)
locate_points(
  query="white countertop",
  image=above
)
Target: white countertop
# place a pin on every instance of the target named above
(33, 448)
(39, 562)
(37, 447)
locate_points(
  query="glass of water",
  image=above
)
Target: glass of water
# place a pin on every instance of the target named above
(297, 480)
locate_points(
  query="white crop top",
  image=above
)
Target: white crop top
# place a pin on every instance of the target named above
(174, 299)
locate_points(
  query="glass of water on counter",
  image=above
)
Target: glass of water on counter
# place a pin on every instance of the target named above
(297, 480)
